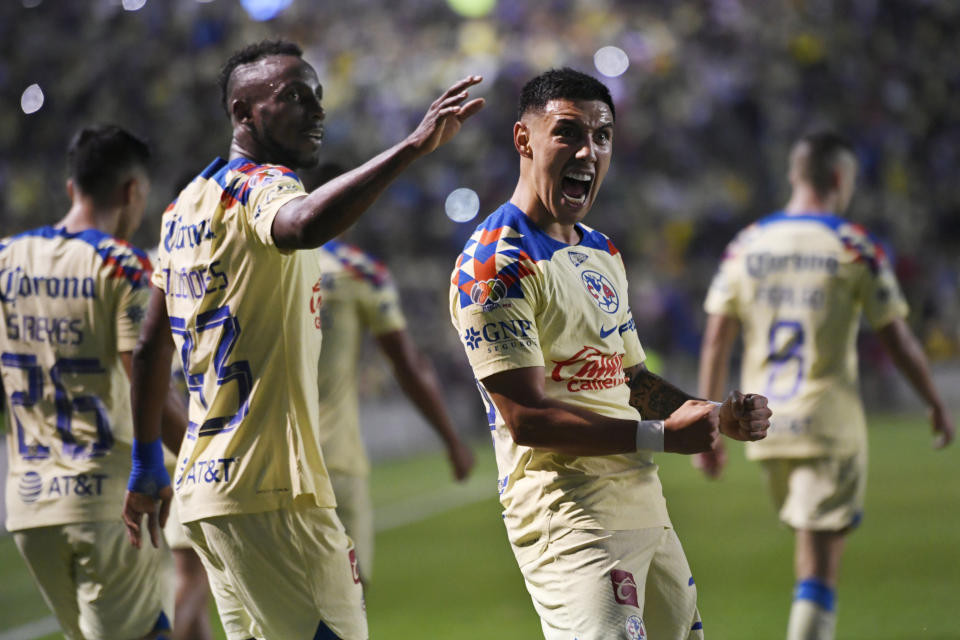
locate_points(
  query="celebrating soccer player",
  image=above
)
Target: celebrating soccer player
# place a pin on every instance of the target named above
(540, 302)
(242, 306)
(72, 298)
(798, 282)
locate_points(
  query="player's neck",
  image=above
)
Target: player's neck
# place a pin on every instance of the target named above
(528, 202)
(240, 148)
(805, 200)
(83, 215)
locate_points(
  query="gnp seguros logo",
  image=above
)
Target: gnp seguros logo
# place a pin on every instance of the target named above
(500, 336)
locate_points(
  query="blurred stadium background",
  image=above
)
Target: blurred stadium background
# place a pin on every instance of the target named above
(710, 94)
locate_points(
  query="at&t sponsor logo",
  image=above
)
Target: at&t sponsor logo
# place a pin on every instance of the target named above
(590, 370)
(212, 471)
(32, 486)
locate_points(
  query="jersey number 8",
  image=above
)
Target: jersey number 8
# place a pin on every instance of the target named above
(785, 357)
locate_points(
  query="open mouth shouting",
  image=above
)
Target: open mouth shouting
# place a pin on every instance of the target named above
(575, 186)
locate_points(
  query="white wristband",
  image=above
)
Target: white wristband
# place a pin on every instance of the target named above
(650, 435)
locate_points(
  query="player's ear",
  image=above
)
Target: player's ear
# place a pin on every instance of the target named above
(240, 111)
(70, 189)
(521, 139)
(837, 181)
(128, 191)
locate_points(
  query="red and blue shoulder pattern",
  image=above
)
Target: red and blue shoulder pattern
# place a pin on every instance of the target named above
(123, 259)
(504, 250)
(238, 177)
(358, 263)
(864, 246)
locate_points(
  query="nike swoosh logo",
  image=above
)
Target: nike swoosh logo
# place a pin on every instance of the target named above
(604, 332)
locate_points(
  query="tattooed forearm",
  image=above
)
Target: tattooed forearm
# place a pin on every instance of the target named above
(652, 396)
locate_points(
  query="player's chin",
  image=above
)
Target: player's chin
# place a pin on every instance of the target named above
(309, 158)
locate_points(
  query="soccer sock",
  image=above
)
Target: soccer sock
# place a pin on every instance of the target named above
(813, 615)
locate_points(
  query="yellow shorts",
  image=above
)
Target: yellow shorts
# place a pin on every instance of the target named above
(174, 531)
(281, 574)
(97, 585)
(819, 494)
(606, 585)
(355, 510)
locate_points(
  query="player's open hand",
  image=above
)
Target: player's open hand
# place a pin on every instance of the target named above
(943, 426)
(693, 428)
(461, 459)
(136, 505)
(745, 417)
(445, 116)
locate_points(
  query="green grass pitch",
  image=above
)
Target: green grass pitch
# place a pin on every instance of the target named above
(452, 576)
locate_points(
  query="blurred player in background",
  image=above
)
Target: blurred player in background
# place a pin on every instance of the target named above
(359, 294)
(242, 305)
(192, 602)
(797, 282)
(72, 298)
(540, 303)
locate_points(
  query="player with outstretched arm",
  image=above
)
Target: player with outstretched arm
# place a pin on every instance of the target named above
(240, 305)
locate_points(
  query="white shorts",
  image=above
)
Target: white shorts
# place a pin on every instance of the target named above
(284, 574)
(97, 585)
(818, 494)
(605, 585)
(355, 510)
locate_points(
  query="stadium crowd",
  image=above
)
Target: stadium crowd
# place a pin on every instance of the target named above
(715, 93)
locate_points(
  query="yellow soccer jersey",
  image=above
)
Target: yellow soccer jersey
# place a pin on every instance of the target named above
(521, 299)
(798, 284)
(358, 295)
(70, 304)
(245, 320)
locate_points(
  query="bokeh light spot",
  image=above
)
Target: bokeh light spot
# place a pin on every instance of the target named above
(472, 8)
(462, 205)
(134, 5)
(32, 99)
(611, 61)
(263, 10)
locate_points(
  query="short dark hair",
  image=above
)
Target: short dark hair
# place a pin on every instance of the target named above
(100, 156)
(824, 148)
(252, 53)
(562, 84)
